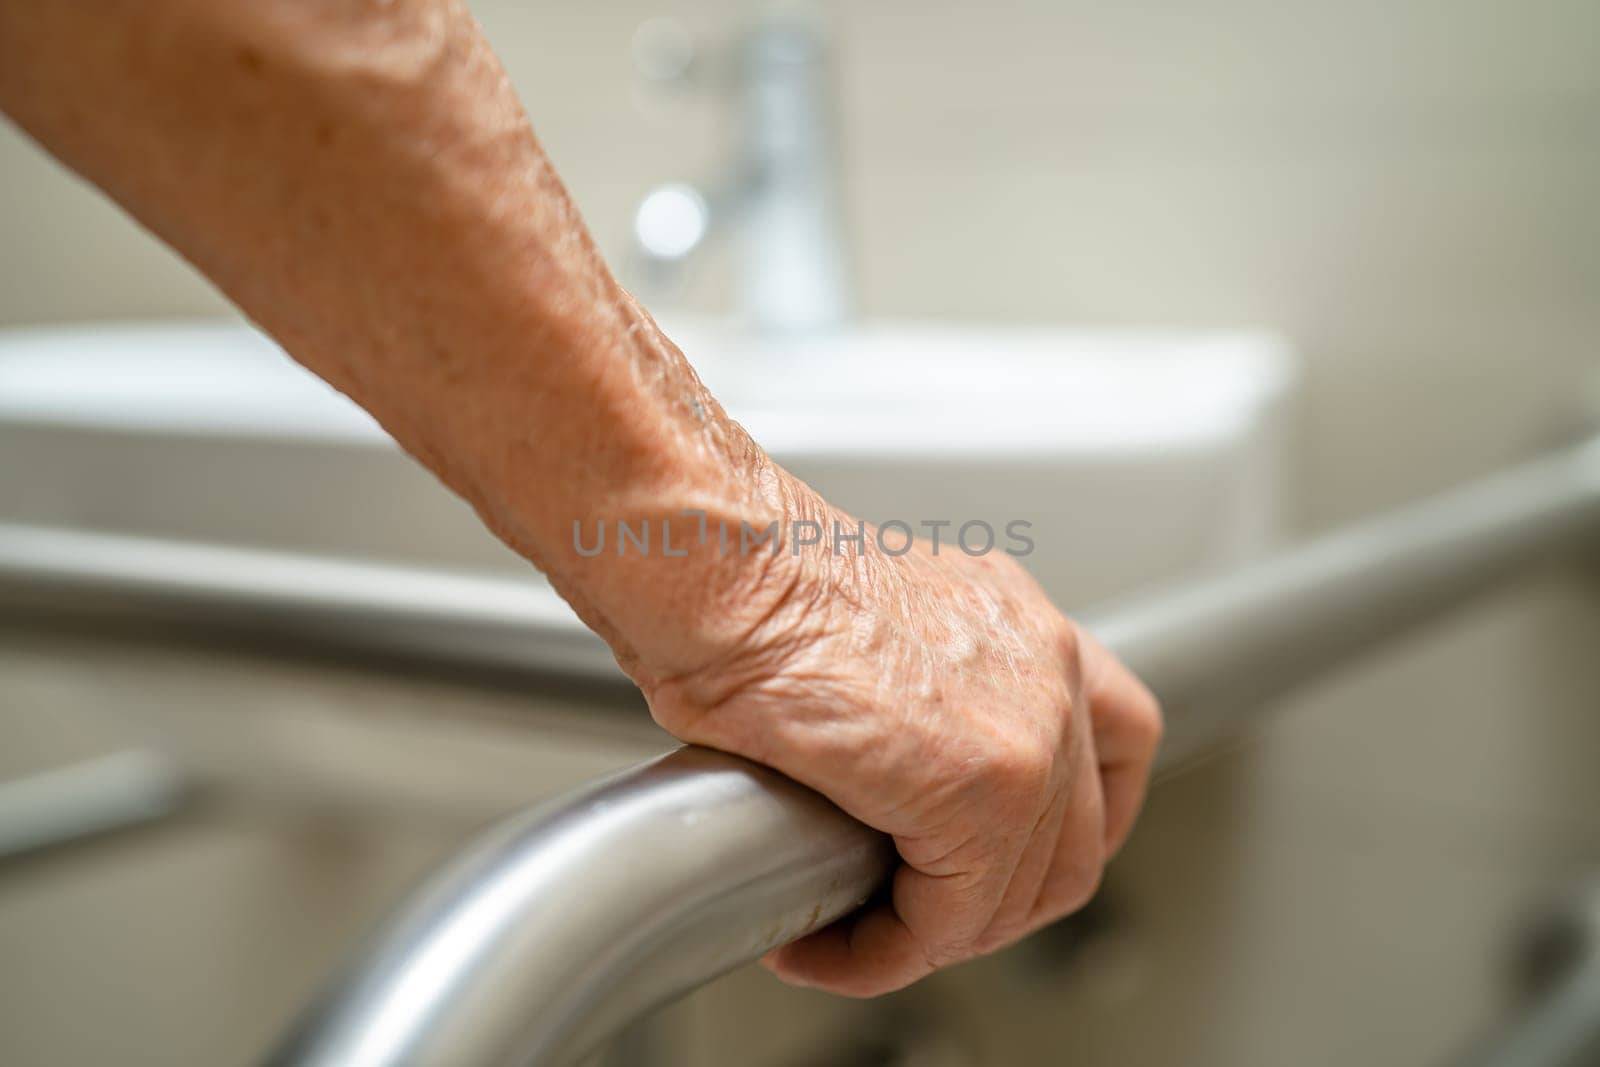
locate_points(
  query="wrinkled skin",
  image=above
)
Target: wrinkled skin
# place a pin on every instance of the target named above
(944, 700)
(361, 180)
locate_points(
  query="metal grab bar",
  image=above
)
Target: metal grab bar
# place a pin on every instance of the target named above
(298, 601)
(1217, 649)
(1232, 639)
(466, 976)
(561, 925)
(116, 791)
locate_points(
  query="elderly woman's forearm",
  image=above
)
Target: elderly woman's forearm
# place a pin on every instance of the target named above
(361, 180)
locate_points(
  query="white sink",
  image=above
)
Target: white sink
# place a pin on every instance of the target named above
(1135, 456)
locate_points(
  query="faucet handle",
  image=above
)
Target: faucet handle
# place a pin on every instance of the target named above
(665, 52)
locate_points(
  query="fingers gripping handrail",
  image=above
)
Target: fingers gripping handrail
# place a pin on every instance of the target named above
(559, 926)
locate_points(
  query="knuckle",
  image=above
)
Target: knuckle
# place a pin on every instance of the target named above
(1156, 724)
(1149, 724)
(1069, 646)
(1021, 766)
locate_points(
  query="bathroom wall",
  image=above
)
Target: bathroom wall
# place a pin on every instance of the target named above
(1407, 191)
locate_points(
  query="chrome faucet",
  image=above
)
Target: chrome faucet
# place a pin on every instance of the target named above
(782, 198)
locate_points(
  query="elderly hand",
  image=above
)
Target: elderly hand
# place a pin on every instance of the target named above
(944, 700)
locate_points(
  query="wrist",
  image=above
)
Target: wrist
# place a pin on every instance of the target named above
(676, 576)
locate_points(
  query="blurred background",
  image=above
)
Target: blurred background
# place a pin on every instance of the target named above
(1403, 193)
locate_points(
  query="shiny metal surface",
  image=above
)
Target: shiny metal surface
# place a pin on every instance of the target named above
(297, 600)
(559, 926)
(67, 804)
(796, 276)
(782, 196)
(1216, 650)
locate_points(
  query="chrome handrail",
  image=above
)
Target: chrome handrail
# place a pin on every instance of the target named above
(1216, 650)
(293, 600)
(560, 925)
(115, 791)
